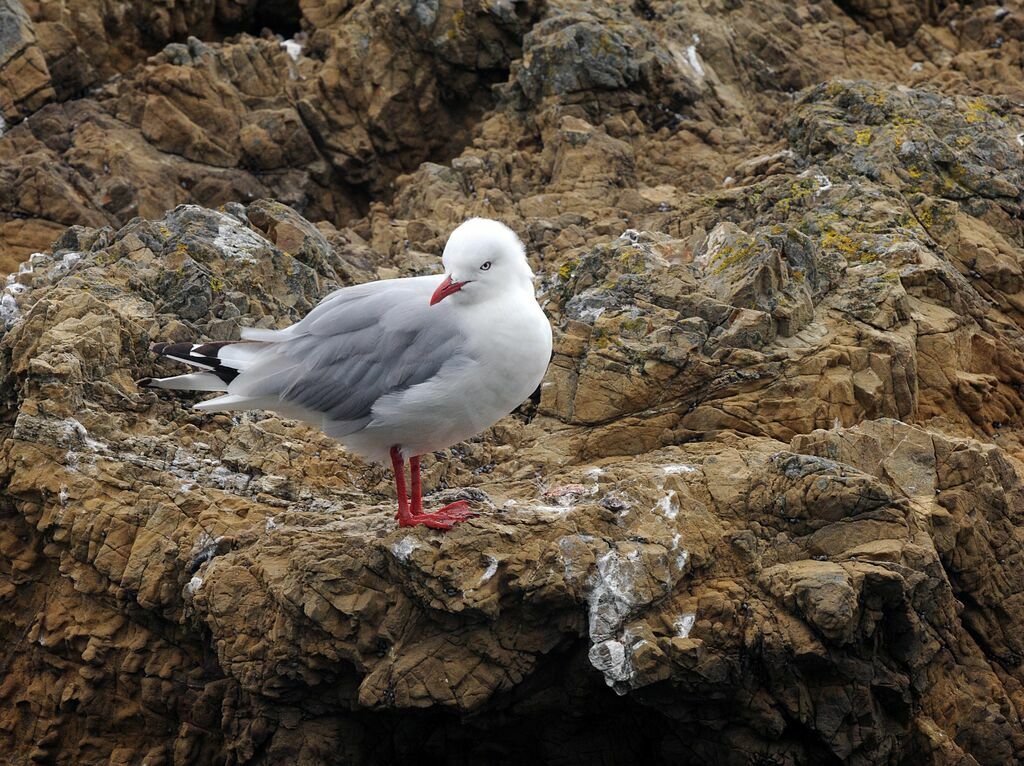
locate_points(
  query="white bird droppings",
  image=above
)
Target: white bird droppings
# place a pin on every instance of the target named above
(669, 505)
(236, 241)
(403, 549)
(67, 263)
(694, 58)
(492, 568)
(10, 314)
(292, 48)
(677, 468)
(684, 624)
(612, 592)
(683, 555)
(610, 657)
(75, 432)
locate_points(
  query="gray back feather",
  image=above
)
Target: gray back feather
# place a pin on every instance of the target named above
(359, 344)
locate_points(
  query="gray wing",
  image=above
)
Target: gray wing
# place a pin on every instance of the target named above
(359, 344)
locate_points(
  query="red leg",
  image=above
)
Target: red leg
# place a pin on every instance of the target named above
(403, 501)
(417, 484)
(444, 518)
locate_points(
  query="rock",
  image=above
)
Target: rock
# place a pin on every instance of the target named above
(24, 78)
(243, 120)
(897, 20)
(581, 56)
(305, 580)
(765, 507)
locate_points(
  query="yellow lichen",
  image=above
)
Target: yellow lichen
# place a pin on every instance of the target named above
(862, 136)
(833, 240)
(458, 23)
(634, 324)
(729, 255)
(632, 260)
(977, 111)
(900, 125)
(801, 189)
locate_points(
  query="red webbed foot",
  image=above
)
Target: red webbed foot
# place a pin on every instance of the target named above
(444, 518)
(410, 510)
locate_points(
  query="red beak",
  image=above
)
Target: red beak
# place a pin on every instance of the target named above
(445, 289)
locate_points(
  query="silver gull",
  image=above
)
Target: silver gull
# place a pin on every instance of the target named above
(396, 368)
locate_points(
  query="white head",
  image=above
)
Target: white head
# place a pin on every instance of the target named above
(483, 259)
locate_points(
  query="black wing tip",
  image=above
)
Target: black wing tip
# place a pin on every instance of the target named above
(212, 347)
(172, 349)
(186, 349)
(144, 383)
(203, 355)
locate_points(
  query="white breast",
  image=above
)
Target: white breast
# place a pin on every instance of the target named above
(508, 349)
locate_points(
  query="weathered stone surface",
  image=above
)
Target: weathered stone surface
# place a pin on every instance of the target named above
(214, 123)
(25, 83)
(767, 508)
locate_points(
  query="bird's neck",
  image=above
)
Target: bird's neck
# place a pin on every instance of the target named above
(524, 282)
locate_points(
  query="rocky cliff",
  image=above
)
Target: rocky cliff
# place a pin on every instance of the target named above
(769, 506)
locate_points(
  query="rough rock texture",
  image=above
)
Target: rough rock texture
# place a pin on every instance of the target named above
(769, 507)
(321, 126)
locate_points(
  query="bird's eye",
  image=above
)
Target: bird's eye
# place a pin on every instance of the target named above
(484, 266)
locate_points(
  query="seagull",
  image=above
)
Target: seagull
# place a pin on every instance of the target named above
(396, 368)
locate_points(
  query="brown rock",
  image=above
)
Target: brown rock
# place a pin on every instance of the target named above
(766, 509)
(24, 78)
